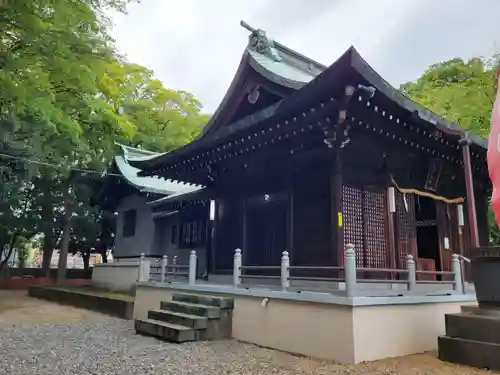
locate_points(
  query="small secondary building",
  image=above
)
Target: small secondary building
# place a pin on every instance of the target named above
(140, 227)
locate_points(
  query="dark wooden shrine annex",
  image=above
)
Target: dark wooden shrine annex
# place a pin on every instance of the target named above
(307, 158)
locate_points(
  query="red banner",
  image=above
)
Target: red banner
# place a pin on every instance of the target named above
(494, 153)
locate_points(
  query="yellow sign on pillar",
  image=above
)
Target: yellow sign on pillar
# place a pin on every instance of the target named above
(340, 219)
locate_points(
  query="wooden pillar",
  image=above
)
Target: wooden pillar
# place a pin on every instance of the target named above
(291, 226)
(391, 233)
(390, 193)
(244, 221)
(213, 237)
(469, 185)
(336, 213)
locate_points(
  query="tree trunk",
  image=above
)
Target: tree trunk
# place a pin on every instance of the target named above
(104, 254)
(63, 253)
(86, 260)
(3, 263)
(47, 250)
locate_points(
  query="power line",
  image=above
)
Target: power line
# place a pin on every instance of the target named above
(39, 162)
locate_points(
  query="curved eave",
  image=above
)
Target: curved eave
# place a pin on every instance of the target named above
(152, 185)
(334, 76)
(278, 72)
(198, 193)
(363, 68)
(234, 87)
(351, 59)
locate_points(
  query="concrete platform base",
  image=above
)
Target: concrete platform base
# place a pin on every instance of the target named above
(472, 338)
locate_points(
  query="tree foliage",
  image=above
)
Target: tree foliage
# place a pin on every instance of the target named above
(66, 97)
(463, 92)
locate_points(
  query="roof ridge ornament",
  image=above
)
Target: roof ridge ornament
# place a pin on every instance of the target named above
(259, 42)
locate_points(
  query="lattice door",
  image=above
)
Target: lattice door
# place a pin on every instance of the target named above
(352, 207)
(406, 228)
(375, 228)
(364, 214)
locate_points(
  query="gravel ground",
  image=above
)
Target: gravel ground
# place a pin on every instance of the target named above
(37, 337)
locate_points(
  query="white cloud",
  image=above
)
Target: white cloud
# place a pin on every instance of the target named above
(196, 45)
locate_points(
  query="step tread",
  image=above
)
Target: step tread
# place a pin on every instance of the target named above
(468, 340)
(166, 324)
(203, 295)
(472, 315)
(189, 304)
(222, 302)
(181, 315)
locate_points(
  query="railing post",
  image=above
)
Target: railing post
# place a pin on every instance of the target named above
(144, 268)
(412, 272)
(192, 267)
(285, 271)
(350, 270)
(462, 274)
(237, 268)
(164, 264)
(457, 274)
(174, 263)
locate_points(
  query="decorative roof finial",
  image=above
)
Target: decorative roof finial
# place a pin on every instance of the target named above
(259, 42)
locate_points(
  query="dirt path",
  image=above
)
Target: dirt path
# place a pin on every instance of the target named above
(54, 338)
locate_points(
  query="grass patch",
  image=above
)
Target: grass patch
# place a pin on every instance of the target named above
(6, 306)
(115, 295)
(88, 289)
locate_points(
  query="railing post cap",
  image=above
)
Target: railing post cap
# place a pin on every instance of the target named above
(143, 255)
(409, 257)
(285, 253)
(237, 251)
(349, 249)
(193, 252)
(165, 257)
(454, 257)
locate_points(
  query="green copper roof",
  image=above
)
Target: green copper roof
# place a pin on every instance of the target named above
(278, 63)
(154, 184)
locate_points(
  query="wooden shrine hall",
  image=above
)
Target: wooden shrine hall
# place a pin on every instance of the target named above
(307, 158)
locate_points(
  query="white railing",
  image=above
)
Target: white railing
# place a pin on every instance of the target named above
(350, 272)
(463, 260)
(169, 272)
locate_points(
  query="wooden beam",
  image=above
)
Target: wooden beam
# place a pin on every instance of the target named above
(471, 199)
(336, 208)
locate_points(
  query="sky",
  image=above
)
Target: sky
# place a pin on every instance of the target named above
(196, 45)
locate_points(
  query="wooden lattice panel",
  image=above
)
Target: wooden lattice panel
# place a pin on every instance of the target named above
(365, 226)
(352, 206)
(405, 227)
(375, 228)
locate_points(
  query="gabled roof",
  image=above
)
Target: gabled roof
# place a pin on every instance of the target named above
(274, 62)
(152, 185)
(350, 68)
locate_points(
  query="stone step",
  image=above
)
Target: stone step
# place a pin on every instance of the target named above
(193, 321)
(469, 352)
(483, 328)
(210, 312)
(476, 310)
(164, 330)
(201, 299)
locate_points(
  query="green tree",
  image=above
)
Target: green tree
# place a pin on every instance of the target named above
(463, 92)
(65, 98)
(164, 118)
(52, 57)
